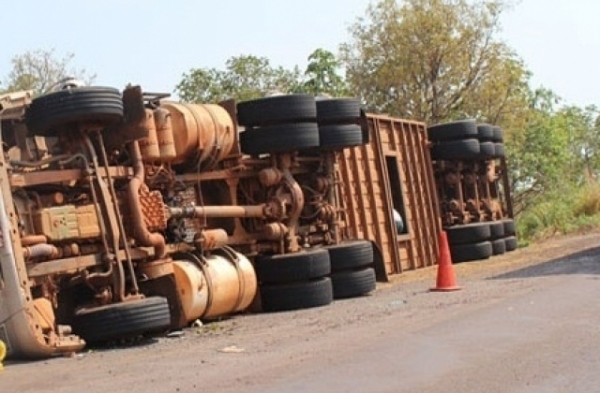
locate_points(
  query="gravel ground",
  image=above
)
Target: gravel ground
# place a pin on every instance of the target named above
(254, 351)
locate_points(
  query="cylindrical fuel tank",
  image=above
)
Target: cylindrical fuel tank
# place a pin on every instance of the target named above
(192, 289)
(233, 283)
(149, 145)
(203, 133)
(221, 284)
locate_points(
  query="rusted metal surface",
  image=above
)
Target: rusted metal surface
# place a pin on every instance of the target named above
(140, 230)
(65, 265)
(12, 105)
(29, 179)
(473, 191)
(212, 239)
(218, 211)
(216, 285)
(506, 188)
(149, 146)
(392, 172)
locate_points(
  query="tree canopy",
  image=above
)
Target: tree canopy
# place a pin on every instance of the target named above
(322, 75)
(244, 77)
(434, 60)
(247, 76)
(40, 70)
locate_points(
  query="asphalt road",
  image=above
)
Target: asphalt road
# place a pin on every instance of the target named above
(544, 341)
(532, 326)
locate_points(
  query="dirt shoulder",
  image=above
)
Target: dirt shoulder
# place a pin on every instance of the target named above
(235, 354)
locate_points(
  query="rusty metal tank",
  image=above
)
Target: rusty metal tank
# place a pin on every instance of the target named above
(192, 289)
(220, 284)
(203, 133)
(149, 145)
(164, 133)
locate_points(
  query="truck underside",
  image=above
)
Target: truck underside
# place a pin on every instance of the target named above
(123, 213)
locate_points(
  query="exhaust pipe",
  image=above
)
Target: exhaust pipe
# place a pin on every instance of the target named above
(140, 232)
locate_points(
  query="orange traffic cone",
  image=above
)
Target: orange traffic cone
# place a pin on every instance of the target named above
(446, 279)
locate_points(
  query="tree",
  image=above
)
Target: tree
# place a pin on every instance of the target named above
(41, 70)
(245, 77)
(321, 75)
(540, 155)
(583, 125)
(434, 60)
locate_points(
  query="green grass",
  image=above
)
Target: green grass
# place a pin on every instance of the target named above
(564, 213)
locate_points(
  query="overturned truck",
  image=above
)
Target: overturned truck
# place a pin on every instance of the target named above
(123, 213)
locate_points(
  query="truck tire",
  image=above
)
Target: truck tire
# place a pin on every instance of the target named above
(499, 150)
(279, 138)
(277, 109)
(509, 227)
(498, 247)
(511, 243)
(51, 112)
(338, 110)
(485, 132)
(295, 296)
(469, 233)
(498, 134)
(471, 252)
(487, 150)
(340, 136)
(285, 268)
(464, 149)
(496, 230)
(353, 283)
(350, 255)
(464, 129)
(122, 320)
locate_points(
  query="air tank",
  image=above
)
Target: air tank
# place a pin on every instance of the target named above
(203, 134)
(149, 145)
(164, 133)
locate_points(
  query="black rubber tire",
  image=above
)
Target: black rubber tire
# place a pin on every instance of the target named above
(337, 110)
(509, 227)
(463, 129)
(122, 320)
(350, 255)
(498, 134)
(53, 111)
(487, 150)
(456, 150)
(511, 243)
(469, 233)
(485, 132)
(498, 247)
(496, 230)
(296, 296)
(471, 252)
(285, 268)
(277, 109)
(340, 136)
(279, 138)
(353, 283)
(499, 150)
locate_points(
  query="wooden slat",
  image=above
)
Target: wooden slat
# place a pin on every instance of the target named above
(432, 207)
(375, 170)
(411, 193)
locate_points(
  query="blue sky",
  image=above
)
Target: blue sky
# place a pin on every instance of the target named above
(153, 42)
